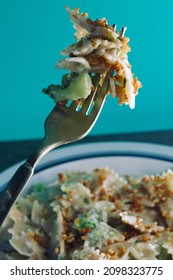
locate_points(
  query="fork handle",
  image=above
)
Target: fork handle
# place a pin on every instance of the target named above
(12, 190)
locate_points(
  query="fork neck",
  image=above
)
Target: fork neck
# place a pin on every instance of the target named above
(41, 151)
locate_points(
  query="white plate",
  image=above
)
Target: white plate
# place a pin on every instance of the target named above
(124, 157)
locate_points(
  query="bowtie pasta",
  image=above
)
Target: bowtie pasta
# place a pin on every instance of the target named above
(92, 215)
(99, 48)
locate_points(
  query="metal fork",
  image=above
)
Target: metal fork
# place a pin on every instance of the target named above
(65, 124)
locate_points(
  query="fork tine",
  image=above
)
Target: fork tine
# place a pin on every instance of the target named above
(100, 98)
(73, 105)
(101, 95)
(102, 90)
(87, 103)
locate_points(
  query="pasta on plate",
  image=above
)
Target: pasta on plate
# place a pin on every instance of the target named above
(92, 215)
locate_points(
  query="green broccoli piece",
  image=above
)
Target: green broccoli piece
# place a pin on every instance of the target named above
(86, 221)
(72, 88)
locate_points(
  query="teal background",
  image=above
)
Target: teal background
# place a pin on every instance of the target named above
(34, 31)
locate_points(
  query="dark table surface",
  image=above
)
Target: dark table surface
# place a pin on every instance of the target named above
(12, 152)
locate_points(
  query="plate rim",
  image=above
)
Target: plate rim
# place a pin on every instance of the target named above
(158, 151)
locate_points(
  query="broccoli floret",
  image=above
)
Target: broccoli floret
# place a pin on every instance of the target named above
(86, 221)
(164, 255)
(72, 88)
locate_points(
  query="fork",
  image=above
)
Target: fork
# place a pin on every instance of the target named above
(64, 124)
